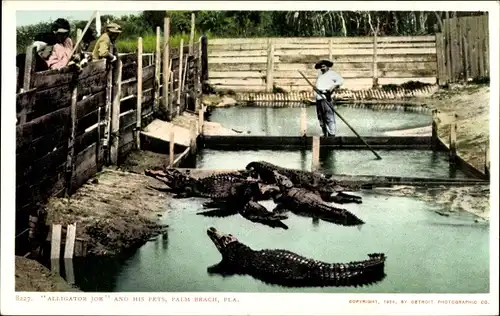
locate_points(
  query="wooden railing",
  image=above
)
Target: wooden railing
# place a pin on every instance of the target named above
(72, 123)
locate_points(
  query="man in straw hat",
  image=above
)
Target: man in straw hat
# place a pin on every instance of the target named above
(103, 45)
(326, 82)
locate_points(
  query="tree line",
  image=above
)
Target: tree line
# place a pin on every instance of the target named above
(267, 24)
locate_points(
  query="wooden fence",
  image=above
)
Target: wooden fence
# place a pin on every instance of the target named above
(259, 64)
(70, 124)
(463, 49)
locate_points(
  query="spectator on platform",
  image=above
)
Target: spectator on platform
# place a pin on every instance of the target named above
(106, 43)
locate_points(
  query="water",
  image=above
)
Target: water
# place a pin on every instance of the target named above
(398, 163)
(286, 121)
(427, 253)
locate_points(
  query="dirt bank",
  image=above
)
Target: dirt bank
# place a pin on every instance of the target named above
(32, 276)
(471, 103)
(113, 212)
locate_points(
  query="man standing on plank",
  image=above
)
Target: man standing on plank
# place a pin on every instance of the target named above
(327, 81)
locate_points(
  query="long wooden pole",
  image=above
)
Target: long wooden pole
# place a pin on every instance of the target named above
(166, 58)
(331, 106)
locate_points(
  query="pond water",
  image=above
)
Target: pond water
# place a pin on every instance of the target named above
(286, 121)
(426, 252)
(410, 163)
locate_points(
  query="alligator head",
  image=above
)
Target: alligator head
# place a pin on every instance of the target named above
(172, 177)
(220, 240)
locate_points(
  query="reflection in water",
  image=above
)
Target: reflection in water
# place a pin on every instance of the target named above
(286, 121)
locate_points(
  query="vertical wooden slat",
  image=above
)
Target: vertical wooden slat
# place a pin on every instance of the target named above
(486, 32)
(179, 80)
(447, 25)
(480, 33)
(69, 246)
(474, 57)
(71, 139)
(375, 68)
(166, 67)
(197, 85)
(460, 53)
(270, 65)
(315, 153)
(139, 94)
(29, 67)
(157, 70)
(109, 102)
(55, 248)
(171, 148)
(453, 142)
(68, 268)
(441, 59)
(115, 113)
(191, 36)
(201, 119)
(193, 136)
(465, 40)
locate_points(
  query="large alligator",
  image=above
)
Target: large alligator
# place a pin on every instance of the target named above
(282, 267)
(328, 189)
(230, 186)
(303, 202)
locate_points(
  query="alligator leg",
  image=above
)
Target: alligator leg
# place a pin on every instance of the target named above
(341, 198)
(159, 189)
(280, 209)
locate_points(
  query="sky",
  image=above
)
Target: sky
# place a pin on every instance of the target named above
(33, 17)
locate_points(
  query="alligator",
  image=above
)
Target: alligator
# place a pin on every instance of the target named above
(220, 186)
(251, 210)
(286, 268)
(304, 202)
(313, 181)
(230, 186)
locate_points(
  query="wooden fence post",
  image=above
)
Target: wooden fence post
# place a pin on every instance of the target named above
(441, 59)
(303, 121)
(166, 67)
(55, 248)
(434, 137)
(107, 111)
(29, 67)
(453, 141)
(157, 70)
(193, 137)
(487, 160)
(139, 94)
(375, 62)
(197, 84)
(171, 152)
(179, 80)
(191, 37)
(201, 119)
(71, 138)
(270, 65)
(115, 113)
(315, 153)
(204, 64)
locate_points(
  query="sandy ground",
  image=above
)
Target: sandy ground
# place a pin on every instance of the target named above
(114, 212)
(33, 276)
(471, 104)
